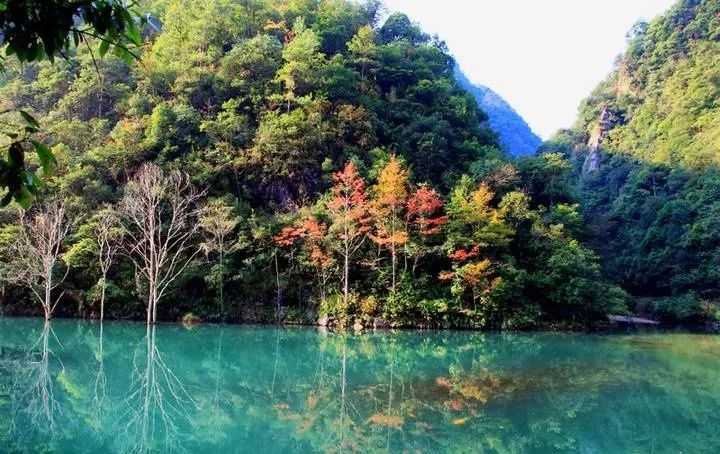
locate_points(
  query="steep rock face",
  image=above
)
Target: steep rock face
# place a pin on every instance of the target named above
(516, 137)
(607, 121)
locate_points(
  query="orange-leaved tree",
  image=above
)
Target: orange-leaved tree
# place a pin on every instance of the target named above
(316, 252)
(312, 236)
(288, 237)
(350, 218)
(388, 208)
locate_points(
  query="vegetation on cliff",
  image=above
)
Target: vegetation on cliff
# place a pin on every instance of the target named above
(646, 150)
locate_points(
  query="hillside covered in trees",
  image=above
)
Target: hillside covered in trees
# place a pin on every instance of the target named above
(274, 160)
(646, 150)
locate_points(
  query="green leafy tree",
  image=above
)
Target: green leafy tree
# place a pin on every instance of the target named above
(218, 222)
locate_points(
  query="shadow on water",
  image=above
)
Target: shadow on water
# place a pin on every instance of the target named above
(83, 387)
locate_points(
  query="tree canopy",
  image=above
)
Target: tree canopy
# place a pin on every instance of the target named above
(356, 178)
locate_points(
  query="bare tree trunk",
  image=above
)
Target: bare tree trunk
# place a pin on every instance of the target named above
(36, 253)
(217, 221)
(102, 300)
(109, 240)
(394, 265)
(222, 277)
(278, 295)
(154, 316)
(346, 274)
(392, 249)
(48, 303)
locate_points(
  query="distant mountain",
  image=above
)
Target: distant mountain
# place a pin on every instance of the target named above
(515, 135)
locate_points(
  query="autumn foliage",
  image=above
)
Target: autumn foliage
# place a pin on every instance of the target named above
(424, 209)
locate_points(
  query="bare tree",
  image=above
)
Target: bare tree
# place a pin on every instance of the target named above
(218, 222)
(108, 235)
(36, 253)
(160, 210)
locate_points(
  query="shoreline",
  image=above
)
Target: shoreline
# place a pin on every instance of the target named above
(599, 328)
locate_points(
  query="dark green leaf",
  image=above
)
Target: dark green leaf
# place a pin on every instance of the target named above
(29, 119)
(132, 31)
(47, 159)
(104, 46)
(24, 197)
(126, 56)
(16, 155)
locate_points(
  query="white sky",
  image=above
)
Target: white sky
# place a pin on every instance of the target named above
(542, 56)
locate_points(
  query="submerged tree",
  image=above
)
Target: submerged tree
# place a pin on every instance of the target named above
(35, 254)
(160, 210)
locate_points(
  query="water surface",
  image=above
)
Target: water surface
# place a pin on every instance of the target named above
(77, 387)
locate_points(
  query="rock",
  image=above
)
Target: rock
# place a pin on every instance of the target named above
(379, 323)
(607, 121)
(358, 325)
(592, 161)
(713, 327)
(324, 321)
(189, 320)
(631, 320)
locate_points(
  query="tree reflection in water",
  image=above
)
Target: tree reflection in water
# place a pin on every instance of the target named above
(34, 395)
(158, 403)
(100, 396)
(229, 389)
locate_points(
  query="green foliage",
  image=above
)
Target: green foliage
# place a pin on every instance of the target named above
(262, 103)
(652, 195)
(338, 308)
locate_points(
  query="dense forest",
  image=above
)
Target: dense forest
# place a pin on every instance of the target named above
(645, 153)
(285, 161)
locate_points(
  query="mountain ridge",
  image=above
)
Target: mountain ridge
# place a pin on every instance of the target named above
(515, 135)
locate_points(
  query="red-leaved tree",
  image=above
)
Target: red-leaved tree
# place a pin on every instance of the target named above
(350, 217)
(425, 219)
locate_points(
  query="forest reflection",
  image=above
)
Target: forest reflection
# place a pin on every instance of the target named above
(83, 387)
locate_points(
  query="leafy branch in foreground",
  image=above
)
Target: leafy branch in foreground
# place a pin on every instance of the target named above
(34, 30)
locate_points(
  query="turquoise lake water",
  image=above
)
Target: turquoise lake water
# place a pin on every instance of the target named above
(72, 387)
